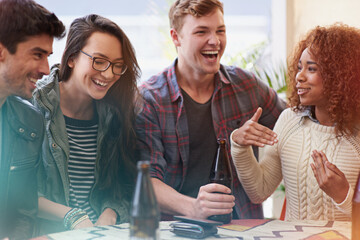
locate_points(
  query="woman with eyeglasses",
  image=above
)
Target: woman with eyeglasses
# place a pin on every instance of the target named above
(89, 104)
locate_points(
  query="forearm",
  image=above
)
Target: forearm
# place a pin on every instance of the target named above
(170, 201)
(346, 205)
(52, 210)
(258, 179)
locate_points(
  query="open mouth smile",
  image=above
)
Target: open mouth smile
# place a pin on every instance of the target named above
(301, 91)
(210, 54)
(100, 83)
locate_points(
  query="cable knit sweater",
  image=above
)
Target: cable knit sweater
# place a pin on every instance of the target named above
(290, 159)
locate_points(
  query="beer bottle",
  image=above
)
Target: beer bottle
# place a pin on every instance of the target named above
(355, 234)
(144, 212)
(221, 173)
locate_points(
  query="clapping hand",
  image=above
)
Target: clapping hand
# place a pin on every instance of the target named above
(253, 133)
(330, 179)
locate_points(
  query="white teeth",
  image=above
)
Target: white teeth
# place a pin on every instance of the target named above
(103, 84)
(34, 80)
(210, 52)
(303, 89)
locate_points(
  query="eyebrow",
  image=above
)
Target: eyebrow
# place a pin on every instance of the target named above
(104, 56)
(39, 49)
(309, 62)
(206, 27)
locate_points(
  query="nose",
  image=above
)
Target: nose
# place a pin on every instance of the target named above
(300, 76)
(44, 67)
(108, 73)
(214, 39)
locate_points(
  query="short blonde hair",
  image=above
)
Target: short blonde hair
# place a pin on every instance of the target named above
(196, 8)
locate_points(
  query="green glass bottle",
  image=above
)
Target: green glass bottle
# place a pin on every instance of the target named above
(221, 173)
(144, 212)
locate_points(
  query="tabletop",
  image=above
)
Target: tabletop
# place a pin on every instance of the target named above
(246, 229)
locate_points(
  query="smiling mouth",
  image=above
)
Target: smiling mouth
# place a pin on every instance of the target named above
(303, 90)
(100, 83)
(210, 54)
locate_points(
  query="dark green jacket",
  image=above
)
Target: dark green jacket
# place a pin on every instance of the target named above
(53, 174)
(23, 131)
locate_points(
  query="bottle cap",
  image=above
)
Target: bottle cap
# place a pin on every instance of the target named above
(143, 164)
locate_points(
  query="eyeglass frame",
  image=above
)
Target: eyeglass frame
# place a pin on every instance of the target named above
(109, 64)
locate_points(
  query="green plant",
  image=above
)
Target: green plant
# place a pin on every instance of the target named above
(252, 59)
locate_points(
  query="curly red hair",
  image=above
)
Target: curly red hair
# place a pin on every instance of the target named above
(336, 49)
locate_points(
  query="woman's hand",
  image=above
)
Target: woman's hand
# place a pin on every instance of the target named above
(108, 217)
(330, 179)
(84, 224)
(253, 133)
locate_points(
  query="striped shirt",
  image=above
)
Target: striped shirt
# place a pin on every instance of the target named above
(82, 135)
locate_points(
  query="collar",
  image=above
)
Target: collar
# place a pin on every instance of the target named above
(308, 113)
(220, 78)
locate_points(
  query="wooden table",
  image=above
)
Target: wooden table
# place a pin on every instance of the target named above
(255, 229)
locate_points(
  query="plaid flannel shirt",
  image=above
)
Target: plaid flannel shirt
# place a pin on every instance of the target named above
(162, 127)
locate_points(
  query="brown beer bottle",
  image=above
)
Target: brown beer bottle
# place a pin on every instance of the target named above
(144, 212)
(221, 173)
(355, 234)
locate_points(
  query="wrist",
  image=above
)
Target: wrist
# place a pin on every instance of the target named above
(73, 217)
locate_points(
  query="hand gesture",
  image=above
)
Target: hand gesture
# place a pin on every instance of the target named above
(330, 179)
(213, 199)
(253, 133)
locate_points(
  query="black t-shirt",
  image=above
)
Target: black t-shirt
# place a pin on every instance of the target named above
(203, 145)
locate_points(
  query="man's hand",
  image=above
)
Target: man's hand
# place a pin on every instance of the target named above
(330, 179)
(253, 133)
(108, 217)
(213, 199)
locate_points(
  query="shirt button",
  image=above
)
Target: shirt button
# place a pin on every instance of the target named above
(21, 130)
(53, 145)
(33, 135)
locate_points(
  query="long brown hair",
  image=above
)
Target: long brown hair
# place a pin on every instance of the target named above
(117, 151)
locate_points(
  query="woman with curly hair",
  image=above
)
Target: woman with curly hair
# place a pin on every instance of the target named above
(315, 145)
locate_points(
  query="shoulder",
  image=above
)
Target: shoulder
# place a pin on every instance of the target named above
(24, 112)
(237, 75)
(49, 82)
(18, 104)
(289, 115)
(160, 86)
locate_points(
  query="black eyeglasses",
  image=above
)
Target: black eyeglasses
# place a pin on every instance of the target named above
(102, 64)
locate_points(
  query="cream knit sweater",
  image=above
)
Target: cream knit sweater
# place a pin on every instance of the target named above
(290, 159)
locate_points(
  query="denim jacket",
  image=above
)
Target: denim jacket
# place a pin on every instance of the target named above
(23, 130)
(53, 175)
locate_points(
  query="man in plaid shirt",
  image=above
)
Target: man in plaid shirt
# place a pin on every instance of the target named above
(189, 106)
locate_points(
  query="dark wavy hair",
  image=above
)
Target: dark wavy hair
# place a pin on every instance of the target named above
(336, 49)
(21, 19)
(196, 8)
(117, 167)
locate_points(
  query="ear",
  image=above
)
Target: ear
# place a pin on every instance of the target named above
(175, 37)
(3, 52)
(71, 62)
